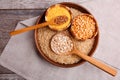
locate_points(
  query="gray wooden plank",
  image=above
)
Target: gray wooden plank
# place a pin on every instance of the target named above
(10, 77)
(5, 71)
(32, 4)
(8, 21)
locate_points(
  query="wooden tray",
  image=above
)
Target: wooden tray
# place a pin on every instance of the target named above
(83, 10)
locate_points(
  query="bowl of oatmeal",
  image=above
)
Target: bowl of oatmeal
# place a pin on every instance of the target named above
(43, 38)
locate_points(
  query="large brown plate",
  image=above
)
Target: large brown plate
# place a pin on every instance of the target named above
(80, 8)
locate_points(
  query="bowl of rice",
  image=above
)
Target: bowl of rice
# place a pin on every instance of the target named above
(44, 35)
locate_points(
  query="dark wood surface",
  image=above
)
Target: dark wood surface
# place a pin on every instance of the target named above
(8, 21)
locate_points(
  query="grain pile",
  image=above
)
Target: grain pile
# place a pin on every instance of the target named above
(83, 27)
(45, 35)
(61, 44)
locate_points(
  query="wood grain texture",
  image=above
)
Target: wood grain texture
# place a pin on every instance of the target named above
(8, 21)
(10, 77)
(32, 4)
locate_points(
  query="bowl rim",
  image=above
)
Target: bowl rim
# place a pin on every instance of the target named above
(40, 52)
(66, 9)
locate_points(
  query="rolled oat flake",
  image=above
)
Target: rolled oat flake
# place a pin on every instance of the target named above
(61, 43)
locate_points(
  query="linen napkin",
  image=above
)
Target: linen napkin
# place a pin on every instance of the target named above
(20, 54)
